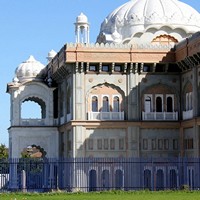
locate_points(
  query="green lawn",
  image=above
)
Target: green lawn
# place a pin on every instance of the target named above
(142, 195)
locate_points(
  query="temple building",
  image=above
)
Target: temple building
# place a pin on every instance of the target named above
(134, 93)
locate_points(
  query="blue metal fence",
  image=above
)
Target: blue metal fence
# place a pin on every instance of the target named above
(96, 174)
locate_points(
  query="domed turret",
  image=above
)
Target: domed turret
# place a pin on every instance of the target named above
(82, 29)
(51, 55)
(136, 18)
(29, 70)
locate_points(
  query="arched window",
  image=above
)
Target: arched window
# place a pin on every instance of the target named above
(160, 180)
(92, 180)
(94, 104)
(118, 179)
(147, 105)
(105, 179)
(191, 177)
(116, 104)
(188, 101)
(158, 104)
(105, 107)
(169, 104)
(173, 179)
(147, 179)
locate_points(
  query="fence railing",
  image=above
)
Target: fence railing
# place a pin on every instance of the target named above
(97, 174)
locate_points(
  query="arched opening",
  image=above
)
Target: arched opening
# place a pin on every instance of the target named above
(158, 104)
(94, 104)
(118, 179)
(116, 104)
(33, 108)
(187, 96)
(147, 105)
(169, 104)
(172, 179)
(190, 178)
(147, 179)
(160, 180)
(105, 180)
(92, 180)
(105, 107)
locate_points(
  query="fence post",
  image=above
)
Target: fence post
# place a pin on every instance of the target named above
(13, 185)
(23, 180)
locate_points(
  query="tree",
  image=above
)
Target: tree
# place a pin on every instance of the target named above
(3, 151)
(4, 165)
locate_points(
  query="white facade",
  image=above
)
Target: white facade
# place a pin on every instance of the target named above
(129, 98)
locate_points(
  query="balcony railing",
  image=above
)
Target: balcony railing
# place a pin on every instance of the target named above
(188, 114)
(171, 116)
(33, 122)
(105, 115)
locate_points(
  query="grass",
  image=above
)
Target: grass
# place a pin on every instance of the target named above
(112, 195)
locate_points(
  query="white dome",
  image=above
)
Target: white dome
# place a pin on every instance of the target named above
(82, 18)
(29, 70)
(51, 55)
(137, 16)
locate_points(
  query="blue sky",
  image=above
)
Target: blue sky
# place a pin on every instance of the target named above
(34, 27)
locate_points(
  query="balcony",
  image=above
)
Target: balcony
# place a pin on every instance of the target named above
(33, 122)
(188, 114)
(105, 115)
(160, 116)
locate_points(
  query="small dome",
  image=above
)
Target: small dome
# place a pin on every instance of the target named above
(139, 16)
(51, 55)
(82, 18)
(29, 70)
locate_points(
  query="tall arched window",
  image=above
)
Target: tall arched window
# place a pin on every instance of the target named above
(105, 107)
(94, 104)
(169, 104)
(173, 179)
(105, 179)
(160, 180)
(147, 105)
(147, 179)
(116, 104)
(158, 104)
(92, 180)
(118, 179)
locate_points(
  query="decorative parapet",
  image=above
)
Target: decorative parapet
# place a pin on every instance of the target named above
(75, 53)
(120, 46)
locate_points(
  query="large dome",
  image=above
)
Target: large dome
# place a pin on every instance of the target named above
(137, 17)
(29, 70)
